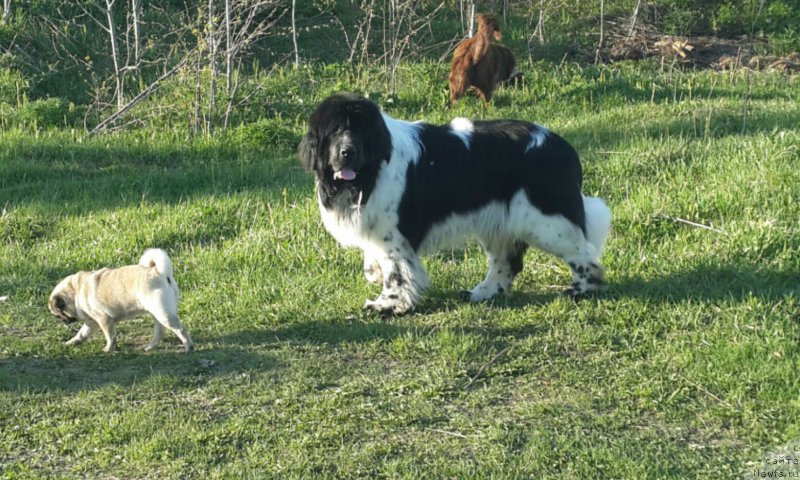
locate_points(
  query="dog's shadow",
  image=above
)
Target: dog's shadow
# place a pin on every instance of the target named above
(90, 370)
(247, 350)
(353, 329)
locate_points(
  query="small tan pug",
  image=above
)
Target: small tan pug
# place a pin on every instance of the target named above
(101, 298)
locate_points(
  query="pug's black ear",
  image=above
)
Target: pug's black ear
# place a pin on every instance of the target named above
(59, 302)
(308, 152)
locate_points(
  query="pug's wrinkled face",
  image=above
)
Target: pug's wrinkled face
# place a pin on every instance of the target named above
(62, 301)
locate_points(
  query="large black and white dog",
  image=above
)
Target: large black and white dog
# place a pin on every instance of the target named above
(398, 189)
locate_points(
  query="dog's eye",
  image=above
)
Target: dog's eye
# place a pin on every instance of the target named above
(60, 303)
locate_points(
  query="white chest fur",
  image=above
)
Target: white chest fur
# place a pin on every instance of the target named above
(367, 225)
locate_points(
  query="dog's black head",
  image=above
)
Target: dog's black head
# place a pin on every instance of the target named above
(62, 301)
(344, 146)
(58, 306)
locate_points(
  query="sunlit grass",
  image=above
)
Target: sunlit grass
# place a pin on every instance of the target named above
(686, 366)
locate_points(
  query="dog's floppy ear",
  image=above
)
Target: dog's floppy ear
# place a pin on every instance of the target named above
(378, 139)
(308, 152)
(57, 304)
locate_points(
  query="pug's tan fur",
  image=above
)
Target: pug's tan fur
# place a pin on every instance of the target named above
(101, 298)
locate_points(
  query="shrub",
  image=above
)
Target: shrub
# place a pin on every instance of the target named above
(13, 87)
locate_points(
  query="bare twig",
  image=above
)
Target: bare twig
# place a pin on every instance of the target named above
(698, 225)
(711, 395)
(487, 365)
(445, 432)
(634, 17)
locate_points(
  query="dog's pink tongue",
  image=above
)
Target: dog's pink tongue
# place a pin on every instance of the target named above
(346, 174)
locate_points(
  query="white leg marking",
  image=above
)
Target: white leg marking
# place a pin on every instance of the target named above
(500, 275)
(404, 281)
(86, 330)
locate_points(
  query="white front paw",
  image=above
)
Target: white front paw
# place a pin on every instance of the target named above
(386, 305)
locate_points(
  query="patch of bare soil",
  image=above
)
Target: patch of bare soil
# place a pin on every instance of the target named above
(698, 52)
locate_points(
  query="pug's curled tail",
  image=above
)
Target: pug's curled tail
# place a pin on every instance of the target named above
(155, 257)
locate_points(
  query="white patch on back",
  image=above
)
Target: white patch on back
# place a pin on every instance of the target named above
(462, 128)
(405, 139)
(538, 137)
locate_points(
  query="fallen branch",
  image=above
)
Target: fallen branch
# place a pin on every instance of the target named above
(102, 126)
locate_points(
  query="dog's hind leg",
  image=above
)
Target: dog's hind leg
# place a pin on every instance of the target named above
(557, 235)
(85, 332)
(587, 273)
(505, 262)
(109, 329)
(173, 323)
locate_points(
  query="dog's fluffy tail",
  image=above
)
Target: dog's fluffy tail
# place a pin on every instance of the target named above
(598, 222)
(155, 257)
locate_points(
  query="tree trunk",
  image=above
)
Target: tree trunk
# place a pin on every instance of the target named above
(228, 49)
(294, 35)
(136, 10)
(471, 19)
(112, 32)
(212, 63)
(602, 32)
(539, 30)
(6, 12)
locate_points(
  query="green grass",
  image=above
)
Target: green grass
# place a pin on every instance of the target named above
(686, 367)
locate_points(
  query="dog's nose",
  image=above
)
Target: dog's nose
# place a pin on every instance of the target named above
(347, 152)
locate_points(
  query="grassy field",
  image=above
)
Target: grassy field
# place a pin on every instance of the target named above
(687, 367)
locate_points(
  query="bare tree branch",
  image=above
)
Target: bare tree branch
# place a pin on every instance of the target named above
(102, 126)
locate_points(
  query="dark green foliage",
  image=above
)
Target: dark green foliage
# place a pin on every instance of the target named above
(62, 52)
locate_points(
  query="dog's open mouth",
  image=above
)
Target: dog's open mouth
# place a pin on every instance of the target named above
(346, 174)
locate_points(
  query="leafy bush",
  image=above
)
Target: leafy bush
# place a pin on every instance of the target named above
(785, 42)
(37, 114)
(750, 16)
(13, 87)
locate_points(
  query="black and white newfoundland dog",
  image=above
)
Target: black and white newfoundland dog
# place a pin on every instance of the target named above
(397, 190)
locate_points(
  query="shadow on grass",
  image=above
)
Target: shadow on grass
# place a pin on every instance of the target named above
(709, 282)
(95, 177)
(706, 281)
(708, 123)
(231, 354)
(319, 332)
(28, 374)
